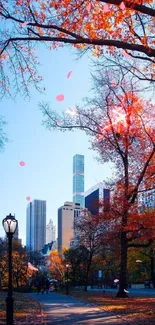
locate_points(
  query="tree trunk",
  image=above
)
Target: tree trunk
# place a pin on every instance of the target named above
(87, 273)
(152, 271)
(17, 282)
(123, 267)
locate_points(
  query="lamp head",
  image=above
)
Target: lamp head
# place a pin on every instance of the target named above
(10, 224)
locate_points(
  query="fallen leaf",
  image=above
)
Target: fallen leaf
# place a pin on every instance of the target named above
(88, 7)
(106, 8)
(22, 163)
(122, 5)
(69, 74)
(24, 24)
(60, 98)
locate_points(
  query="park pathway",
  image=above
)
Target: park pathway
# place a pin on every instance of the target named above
(65, 310)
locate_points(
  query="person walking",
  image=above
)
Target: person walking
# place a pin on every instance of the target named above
(47, 283)
(38, 286)
(43, 285)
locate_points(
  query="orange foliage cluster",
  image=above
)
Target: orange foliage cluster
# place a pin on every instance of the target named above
(113, 27)
(86, 19)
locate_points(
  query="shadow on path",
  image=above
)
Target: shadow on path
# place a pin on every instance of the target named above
(65, 310)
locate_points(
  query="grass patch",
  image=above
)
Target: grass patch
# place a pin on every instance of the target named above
(26, 309)
(135, 310)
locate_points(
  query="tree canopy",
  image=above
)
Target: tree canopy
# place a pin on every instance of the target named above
(124, 28)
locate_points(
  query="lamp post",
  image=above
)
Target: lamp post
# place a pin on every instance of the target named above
(10, 225)
(67, 289)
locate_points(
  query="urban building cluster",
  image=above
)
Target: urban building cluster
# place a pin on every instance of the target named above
(42, 237)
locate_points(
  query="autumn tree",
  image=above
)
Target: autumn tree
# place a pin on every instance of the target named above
(89, 230)
(19, 263)
(56, 266)
(120, 125)
(149, 254)
(3, 248)
(138, 265)
(76, 258)
(119, 28)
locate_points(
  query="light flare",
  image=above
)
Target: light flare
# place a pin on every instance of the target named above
(118, 119)
(71, 112)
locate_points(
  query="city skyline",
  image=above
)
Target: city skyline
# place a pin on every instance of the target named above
(47, 174)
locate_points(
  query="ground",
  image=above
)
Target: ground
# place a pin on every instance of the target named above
(26, 310)
(61, 309)
(137, 310)
(81, 308)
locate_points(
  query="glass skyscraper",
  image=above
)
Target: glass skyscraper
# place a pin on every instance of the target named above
(94, 196)
(36, 225)
(78, 180)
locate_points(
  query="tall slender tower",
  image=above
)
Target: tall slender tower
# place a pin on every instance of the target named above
(36, 225)
(29, 226)
(78, 180)
(50, 232)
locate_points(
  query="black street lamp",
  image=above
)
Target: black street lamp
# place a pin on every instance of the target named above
(67, 288)
(10, 225)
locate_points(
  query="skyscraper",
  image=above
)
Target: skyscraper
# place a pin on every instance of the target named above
(78, 180)
(50, 232)
(29, 226)
(66, 218)
(36, 225)
(94, 196)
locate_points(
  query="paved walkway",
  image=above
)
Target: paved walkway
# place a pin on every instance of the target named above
(64, 310)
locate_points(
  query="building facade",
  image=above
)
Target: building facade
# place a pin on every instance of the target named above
(50, 232)
(94, 196)
(29, 226)
(146, 200)
(36, 225)
(78, 180)
(66, 220)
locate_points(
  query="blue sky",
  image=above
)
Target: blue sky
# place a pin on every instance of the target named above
(48, 155)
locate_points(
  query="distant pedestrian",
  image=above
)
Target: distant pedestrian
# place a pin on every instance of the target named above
(55, 286)
(47, 283)
(38, 286)
(43, 286)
